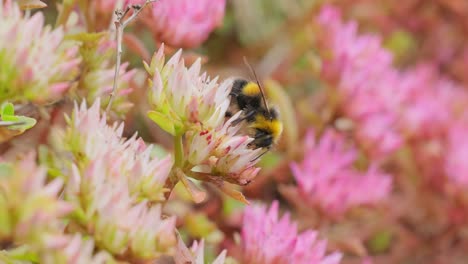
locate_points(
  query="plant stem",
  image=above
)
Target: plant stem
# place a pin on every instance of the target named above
(120, 26)
(178, 151)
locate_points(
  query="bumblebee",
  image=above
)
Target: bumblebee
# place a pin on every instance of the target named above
(262, 122)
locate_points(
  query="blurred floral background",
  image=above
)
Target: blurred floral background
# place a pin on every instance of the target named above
(116, 145)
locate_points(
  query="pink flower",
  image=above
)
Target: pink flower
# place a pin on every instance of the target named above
(89, 139)
(429, 103)
(365, 80)
(326, 176)
(388, 105)
(185, 23)
(267, 239)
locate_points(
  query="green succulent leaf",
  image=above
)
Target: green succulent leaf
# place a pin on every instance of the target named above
(163, 122)
(20, 123)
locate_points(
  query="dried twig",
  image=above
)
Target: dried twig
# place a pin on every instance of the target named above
(120, 25)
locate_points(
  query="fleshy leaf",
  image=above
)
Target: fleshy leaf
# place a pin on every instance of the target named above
(12, 125)
(163, 122)
(8, 109)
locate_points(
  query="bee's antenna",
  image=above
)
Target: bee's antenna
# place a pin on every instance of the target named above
(259, 85)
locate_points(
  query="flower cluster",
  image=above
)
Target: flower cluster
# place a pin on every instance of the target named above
(268, 239)
(37, 64)
(188, 103)
(116, 185)
(326, 177)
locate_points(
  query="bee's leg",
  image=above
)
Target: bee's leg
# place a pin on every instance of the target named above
(246, 116)
(259, 156)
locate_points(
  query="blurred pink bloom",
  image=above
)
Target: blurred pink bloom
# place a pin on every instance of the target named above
(388, 105)
(430, 102)
(365, 81)
(456, 156)
(185, 23)
(417, 105)
(36, 63)
(267, 239)
(326, 177)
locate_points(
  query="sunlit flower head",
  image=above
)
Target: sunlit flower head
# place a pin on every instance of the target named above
(184, 23)
(222, 154)
(183, 97)
(266, 238)
(326, 177)
(196, 254)
(36, 63)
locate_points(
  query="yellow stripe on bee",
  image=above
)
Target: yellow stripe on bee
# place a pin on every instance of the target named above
(275, 127)
(251, 89)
